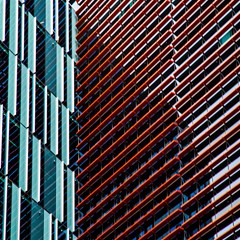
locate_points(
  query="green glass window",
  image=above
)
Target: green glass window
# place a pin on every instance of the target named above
(225, 37)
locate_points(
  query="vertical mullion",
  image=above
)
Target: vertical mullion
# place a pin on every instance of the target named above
(59, 190)
(4, 224)
(47, 229)
(45, 121)
(22, 31)
(12, 84)
(67, 26)
(23, 158)
(56, 20)
(73, 37)
(71, 200)
(36, 168)
(1, 128)
(70, 84)
(54, 125)
(49, 16)
(25, 88)
(2, 19)
(15, 212)
(7, 143)
(32, 32)
(65, 135)
(13, 26)
(33, 102)
(60, 72)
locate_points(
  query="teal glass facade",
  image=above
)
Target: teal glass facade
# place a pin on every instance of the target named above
(37, 161)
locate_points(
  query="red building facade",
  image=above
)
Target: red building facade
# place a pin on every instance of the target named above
(159, 119)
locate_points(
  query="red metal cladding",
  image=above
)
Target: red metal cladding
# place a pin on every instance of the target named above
(123, 76)
(125, 201)
(135, 142)
(118, 96)
(108, 34)
(182, 68)
(149, 214)
(208, 188)
(96, 17)
(126, 119)
(215, 222)
(207, 151)
(161, 224)
(159, 113)
(212, 164)
(149, 197)
(229, 232)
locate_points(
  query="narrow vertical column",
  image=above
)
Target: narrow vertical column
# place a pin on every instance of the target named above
(2, 19)
(49, 16)
(67, 26)
(60, 72)
(13, 26)
(59, 190)
(47, 229)
(36, 168)
(74, 43)
(45, 115)
(4, 222)
(22, 31)
(56, 229)
(1, 132)
(67, 234)
(33, 102)
(23, 158)
(54, 125)
(32, 25)
(65, 135)
(70, 84)
(6, 143)
(71, 200)
(25, 89)
(12, 84)
(15, 212)
(56, 20)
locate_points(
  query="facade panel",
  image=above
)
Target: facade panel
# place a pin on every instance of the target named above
(158, 119)
(37, 198)
(152, 90)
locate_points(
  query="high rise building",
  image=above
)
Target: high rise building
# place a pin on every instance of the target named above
(37, 123)
(159, 119)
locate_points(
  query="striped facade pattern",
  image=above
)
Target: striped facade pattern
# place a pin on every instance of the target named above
(37, 178)
(159, 119)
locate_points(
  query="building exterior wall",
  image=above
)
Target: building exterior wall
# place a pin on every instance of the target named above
(37, 179)
(159, 119)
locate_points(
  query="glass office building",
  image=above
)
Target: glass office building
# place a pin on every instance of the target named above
(37, 123)
(159, 119)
